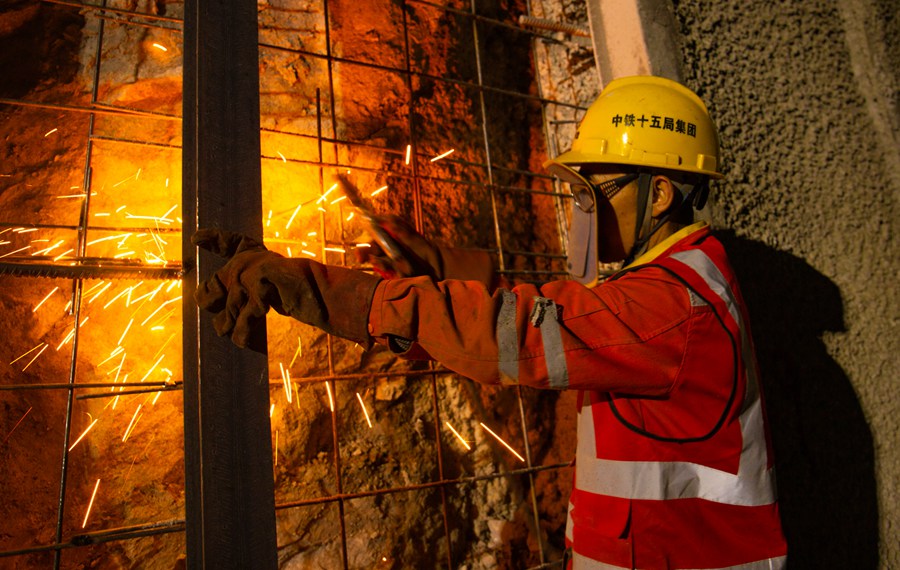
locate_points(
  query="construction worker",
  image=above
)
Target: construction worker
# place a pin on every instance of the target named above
(673, 465)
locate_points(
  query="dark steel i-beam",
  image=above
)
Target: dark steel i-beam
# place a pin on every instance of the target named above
(230, 506)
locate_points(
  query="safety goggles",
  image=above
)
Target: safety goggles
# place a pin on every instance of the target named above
(584, 193)
(583, 190)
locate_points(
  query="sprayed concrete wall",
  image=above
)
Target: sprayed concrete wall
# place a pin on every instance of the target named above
(806, 97)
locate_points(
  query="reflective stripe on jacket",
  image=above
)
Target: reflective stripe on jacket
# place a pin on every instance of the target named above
(673, 467)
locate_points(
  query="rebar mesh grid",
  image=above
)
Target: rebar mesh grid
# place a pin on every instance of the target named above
(495, 185)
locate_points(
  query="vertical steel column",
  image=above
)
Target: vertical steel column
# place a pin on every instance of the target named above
(230, 504)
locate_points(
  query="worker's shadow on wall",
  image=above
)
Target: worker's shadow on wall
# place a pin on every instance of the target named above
(823, 445)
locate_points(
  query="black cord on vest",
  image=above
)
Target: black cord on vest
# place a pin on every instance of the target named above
(734, 385)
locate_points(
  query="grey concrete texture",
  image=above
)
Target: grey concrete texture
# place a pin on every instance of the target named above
(806, 98)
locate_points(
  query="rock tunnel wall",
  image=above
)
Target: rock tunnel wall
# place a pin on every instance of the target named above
(806, 97)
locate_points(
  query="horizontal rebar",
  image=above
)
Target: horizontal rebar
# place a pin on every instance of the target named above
(76, 386)
(120, 11)
(96, 108)
(121, 533)
(430, 485)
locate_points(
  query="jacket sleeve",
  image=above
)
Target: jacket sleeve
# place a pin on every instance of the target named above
(625, 336)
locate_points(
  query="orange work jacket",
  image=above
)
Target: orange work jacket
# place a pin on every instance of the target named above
(673, 467)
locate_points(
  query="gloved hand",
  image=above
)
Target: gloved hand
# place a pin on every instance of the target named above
(420, 256)
(423, 257)
(334, 299)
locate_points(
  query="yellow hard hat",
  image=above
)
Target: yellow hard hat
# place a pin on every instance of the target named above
(647, 122)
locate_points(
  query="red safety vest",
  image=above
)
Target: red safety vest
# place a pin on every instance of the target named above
(684, 481)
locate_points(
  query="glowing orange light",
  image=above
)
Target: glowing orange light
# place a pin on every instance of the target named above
(497, 437)
(90, 504)
(456, 433)
(365, 411)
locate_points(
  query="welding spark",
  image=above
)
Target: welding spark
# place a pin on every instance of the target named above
(309, 253)
(443, 155)
(131, 424)
(276, 447)
(271, 410)
(123, 254)
(379, 191)
(135, 176)
(330, 397)
(17, 425)
(160, 47)
(335, 249)
(333, 202)
(456, 433)
(297, 209)
(503, 442)
(365, 411)
(91, 504)
(63, 254)
(173, 300)
(117, 351)
(325, 195)
(283, 159)
(36, 356)
(16, 251)
(67, 339)
(152, 368)
(103, 290)
(84, 433)
(50, 133)
(107, 238)
(125, 332)
(286, 380)
(408, 152)
(350, 217)
(155, 398)
(101, 214)
(363, 245)
(269, 219)
(68, 196)
(49, 249)
(44, 300)
(296, 352)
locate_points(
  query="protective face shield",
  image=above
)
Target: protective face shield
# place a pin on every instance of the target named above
(644, 123)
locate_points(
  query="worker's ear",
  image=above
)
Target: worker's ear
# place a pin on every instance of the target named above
(664, 193)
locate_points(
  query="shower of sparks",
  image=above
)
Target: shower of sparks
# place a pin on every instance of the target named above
(160, 47)
(330, 397)
(325, 195)
(497, 437)
(84, 433)
(50, 132)
(379, 191)
(35, 357)
(296, 352)
(17, 425)
(90, 504)
(456, 433)
(294, 215)
(132, 424)
(44, 300)
(365, 411)
(286, 381)
(283, 159)
(443, 155)
(408, 153)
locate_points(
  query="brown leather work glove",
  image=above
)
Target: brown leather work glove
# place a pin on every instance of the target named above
(334, 299)
(422, 257)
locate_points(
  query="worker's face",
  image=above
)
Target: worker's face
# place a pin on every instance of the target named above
(615, 217)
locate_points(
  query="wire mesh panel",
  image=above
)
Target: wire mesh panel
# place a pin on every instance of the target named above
(443, 113)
